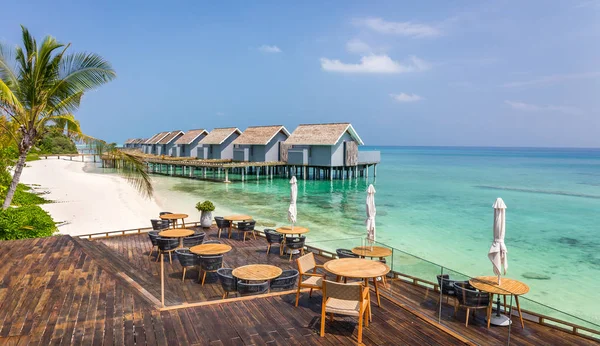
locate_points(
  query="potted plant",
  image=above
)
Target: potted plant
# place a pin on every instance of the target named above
(206, 208)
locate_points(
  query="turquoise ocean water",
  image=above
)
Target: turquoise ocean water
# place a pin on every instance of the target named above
(436, 203)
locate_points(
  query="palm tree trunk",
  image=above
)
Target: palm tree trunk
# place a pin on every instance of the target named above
(15, 180)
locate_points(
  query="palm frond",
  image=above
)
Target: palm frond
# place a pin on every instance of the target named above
(133, 170)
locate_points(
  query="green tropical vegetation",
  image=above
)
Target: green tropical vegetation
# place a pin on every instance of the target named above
(205, 206)
(41, 87)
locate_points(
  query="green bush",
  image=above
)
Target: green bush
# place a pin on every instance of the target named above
(205, 206)
(25, 222)
(56, 142)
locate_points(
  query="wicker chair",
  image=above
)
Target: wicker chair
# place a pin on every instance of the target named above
(295, 243)
(212, 242)
(467, 296)
(158, 224)
(171, 222)
(210, 264)
(345, 253)
(153, 235)
(187, 260)
(308, 267)
(285, 281)
(246, 227)
(223, 224)
(194, 240)
(167, 245)
(228, 282)
(346, 299)
(247, 289)
(447, 286)
(273, 237)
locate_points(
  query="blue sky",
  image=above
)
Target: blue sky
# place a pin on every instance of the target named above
(502, 73)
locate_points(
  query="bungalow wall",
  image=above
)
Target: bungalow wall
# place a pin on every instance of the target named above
(192, 148)
(337, 151)
(272, 148)
(225, 150)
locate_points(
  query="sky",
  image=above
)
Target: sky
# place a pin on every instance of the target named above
(448, 73)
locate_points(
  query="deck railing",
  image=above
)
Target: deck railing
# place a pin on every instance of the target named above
(370, 157)
(416, 271)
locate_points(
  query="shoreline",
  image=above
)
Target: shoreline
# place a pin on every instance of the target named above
(84, 202)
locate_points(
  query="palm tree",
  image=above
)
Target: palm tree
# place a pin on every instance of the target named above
(42, 85)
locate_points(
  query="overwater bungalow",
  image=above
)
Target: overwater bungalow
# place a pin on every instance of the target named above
(150, 146)
(333, 147)
(166, 146)
(134, 143)
(260, 144)
(218, 144)
(187, 145)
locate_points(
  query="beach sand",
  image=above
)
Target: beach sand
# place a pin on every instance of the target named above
(88, 202)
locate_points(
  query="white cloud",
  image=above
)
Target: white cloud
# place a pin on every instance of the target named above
(269, 49)
(553, 79)
(357, 46)
(527, 107)
(407, 29)
(375, 64)
(404, 98)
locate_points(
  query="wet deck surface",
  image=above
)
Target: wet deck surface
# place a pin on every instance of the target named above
(61, 290)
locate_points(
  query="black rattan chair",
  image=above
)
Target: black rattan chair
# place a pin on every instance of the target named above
(295, 243)
(212, 242)
(223, 224)
(171, 222)
(210, 264)
(228, 282)
(285, 281)
(467, 296)
(194, 240)
(187, 260)
(447, 286)
(158, 224)
(153, 235)
(273, 237)
(167, 245)
(245, 289)
(246, 227)
(345, 253)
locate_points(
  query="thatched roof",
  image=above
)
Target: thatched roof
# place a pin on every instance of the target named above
(321, 134)
(170, 137)
(140, 140)
(219, 135)
(260, 135)
(191, 136)
(157, 137)
(130, 141)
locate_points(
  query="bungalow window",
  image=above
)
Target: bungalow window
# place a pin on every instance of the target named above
(236, 146)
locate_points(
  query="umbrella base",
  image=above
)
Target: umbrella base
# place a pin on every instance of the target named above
(500, 320)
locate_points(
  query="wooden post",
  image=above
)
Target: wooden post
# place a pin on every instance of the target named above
(243, 172)
(330, 173)
(257, 173)
(304, 172)
(374, 170)
(227, 175)
(162, 279)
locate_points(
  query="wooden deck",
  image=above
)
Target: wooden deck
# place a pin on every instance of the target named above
(60, 290)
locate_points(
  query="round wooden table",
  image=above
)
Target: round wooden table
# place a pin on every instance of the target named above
(210, 249)
(289, 230)
(175, 218)
(507, 287)
(358, 268)
(177, 233)
(372, 251)
(237, 218)
(257, 272)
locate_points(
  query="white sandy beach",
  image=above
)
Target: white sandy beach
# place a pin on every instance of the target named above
(88, 202)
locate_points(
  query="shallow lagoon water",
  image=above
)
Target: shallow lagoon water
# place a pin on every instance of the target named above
(436, 203)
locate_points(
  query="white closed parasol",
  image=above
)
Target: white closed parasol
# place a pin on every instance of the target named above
(498, 250)
(292, 212)
(371, 211)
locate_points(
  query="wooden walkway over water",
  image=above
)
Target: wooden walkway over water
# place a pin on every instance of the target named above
(61, 290)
